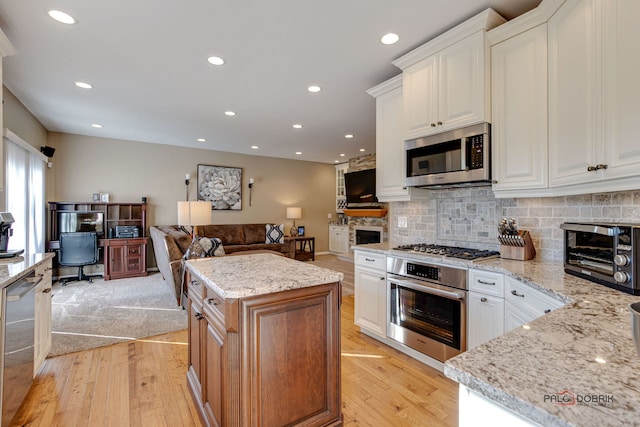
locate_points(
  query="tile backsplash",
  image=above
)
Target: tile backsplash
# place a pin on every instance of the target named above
(469, 217)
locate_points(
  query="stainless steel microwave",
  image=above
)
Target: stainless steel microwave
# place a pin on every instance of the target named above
(459, 157)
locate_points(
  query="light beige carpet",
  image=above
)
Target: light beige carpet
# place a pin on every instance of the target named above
(89, 315)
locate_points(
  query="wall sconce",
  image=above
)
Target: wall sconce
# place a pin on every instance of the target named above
(186, 182)
(250, 189)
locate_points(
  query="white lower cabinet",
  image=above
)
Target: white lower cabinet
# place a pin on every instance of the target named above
(476, 410)
(339, 239)
(499, 304)
(370, 288)
(42, 332)
(524, 304)
(485, 307)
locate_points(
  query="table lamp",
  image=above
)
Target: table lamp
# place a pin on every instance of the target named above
(294, 213)
(194, 214)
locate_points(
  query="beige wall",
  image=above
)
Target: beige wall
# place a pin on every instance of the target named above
(129, 170)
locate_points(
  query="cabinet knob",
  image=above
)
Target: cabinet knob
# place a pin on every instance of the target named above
(46, 291)
(212, 301)
(548, 310)
(439, 123)
(433, 125)
(382, 278)
(199, 316)
(483, 299)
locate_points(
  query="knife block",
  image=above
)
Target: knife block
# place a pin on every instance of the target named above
(520, 249)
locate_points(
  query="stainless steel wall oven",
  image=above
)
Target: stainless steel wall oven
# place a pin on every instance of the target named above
(427, 307)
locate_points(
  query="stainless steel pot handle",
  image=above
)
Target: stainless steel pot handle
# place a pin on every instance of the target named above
(420, 287)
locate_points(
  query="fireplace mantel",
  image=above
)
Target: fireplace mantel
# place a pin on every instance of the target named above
(377, 213)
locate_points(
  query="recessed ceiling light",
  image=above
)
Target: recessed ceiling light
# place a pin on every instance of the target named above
(298, 152)
(215, 60)
(201, 140)
(341, 154)
(362, 149)
(83, 85)
(96, 125)
(254, 147)
(297, 126)
(62, 17)
(389, 38)
(314, 89)
(349, 136)
(229, 113)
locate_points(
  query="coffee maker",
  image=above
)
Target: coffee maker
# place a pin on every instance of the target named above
(6, 219)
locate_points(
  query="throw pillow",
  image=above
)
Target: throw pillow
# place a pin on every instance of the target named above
(275, 233)
(204, 247)
(212, 246)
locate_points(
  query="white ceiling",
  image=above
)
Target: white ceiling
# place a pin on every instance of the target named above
(147, 61)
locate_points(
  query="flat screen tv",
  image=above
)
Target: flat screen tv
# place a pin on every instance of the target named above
(360, 187)
(74, 222)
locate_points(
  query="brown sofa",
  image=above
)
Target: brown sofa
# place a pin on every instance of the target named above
(171, 241)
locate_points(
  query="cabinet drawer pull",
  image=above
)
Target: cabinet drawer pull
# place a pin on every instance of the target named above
(482, 282)
(483, 299)
(601, 166)
(369, 260)
(591, 168)
(46, 291)
(516, 294)
(199, 316)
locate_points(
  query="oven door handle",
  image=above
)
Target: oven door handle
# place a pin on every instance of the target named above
(427, 289)
(591, 228)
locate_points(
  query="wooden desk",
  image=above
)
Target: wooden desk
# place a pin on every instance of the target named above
(305, 248)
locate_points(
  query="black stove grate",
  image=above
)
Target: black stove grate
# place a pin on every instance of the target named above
(449, 251)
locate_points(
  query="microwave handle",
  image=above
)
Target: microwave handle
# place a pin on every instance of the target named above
(463, 154)
(591, 228)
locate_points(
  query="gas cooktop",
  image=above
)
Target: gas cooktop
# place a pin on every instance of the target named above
(449, 251)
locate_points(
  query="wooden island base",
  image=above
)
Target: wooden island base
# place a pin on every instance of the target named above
(265, 360)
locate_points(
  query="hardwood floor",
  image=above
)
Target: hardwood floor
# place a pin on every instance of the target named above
(143, 383)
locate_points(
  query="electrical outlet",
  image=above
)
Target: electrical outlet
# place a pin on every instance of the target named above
(329, 215)
(402, 222)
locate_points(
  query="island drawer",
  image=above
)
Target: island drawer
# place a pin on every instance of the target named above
(213, 307)
(486, 282)
(194, 288)
(526, 297)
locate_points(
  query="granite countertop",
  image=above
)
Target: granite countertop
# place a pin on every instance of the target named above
(258, 274)
(584, 349)
(12, 269)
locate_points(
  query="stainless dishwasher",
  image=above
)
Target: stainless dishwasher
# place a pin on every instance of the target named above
(18, 334)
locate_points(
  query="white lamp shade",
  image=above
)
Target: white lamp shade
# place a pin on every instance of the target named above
(294, 213)
(194, 213)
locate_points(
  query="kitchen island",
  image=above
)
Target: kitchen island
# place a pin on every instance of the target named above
(576, 366)
(264, 341)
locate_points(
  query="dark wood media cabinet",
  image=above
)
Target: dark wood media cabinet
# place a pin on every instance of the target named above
(122, 257)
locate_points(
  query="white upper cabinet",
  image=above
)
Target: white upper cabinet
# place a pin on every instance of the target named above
(519, 109)
(593, 100)
(446, 81)
(592, 89)
(390, 155)
(341, 194)
(574, 95)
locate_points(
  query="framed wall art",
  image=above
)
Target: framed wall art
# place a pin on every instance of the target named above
(220, 185)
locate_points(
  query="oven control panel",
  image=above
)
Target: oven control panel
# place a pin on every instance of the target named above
(424, 271)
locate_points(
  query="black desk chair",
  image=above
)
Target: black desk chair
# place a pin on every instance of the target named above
(78, 250)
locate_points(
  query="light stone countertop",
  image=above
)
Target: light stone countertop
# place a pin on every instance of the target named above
(258, 274)
(523, 368)
(12, 269)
